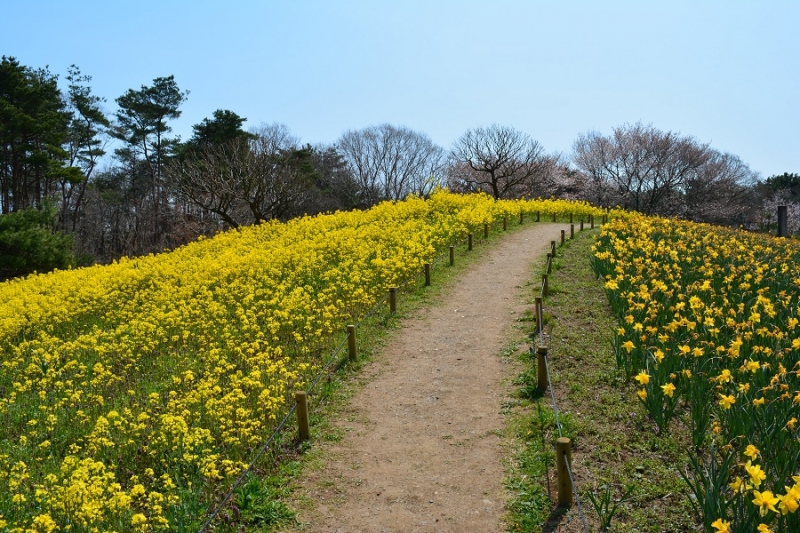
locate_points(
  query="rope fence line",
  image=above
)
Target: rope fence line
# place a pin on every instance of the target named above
(567, 489)
(247, 471)
(575, 491)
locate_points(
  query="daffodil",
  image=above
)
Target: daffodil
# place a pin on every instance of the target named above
(765, 501)
(756, 474)
(751, 451)
(721, 526)
(726, 400)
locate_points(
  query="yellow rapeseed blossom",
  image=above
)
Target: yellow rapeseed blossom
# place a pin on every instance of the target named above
(175, 367)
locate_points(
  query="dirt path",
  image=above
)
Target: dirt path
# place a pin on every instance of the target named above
(421, 451)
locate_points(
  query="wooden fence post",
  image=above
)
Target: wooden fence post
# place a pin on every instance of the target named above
(505, 223)
(303, 431)
(570, 218)
(545, 288)
(392, 300)
(554, 216)
(541, 369)
(581, 223)
(351, 342)
(591, 221)
(485, 231)
(572, 231)
(564, 457)
(539, 317)
(549, 262)
(427, 274)
(521, 216)
(452, 255)
(469, 242)
(562, 237)
(537, 216)
(783, 221)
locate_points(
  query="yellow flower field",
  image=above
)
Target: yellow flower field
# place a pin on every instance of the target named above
(708, 325)
(132, 394)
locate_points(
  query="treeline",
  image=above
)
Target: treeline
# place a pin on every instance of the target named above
(79, 185)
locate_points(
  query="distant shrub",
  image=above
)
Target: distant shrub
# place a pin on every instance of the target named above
(29, 244)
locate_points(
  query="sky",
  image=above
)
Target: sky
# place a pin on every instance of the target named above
(726, 72)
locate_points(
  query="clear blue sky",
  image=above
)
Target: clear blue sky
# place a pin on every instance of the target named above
(726, 72)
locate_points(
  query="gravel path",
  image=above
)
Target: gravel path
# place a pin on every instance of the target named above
(422, 446)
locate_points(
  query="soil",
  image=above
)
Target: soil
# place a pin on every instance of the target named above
(422, 446)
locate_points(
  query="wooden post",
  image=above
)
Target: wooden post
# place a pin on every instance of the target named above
(541, 369)
(539, 317)
(562, 237)
(505, 223)
(537, 216)
(554, 216)
(581, 223)
(591, 221)
(351, 342)
(570, 218)
(564, 456)
(452, 255)
(544, 281)
(303, 431)
(521, 216)
(783, 221)
(549, 262)
(486, 231)
(553, 248)
(393, 300)
(427, 274)
(469, 242)
(572, 231)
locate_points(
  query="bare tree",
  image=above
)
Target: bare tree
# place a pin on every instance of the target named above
(391, 162)
(639, 167)
(211, 178)
(722, 191)
(501, 161)
(246, 180)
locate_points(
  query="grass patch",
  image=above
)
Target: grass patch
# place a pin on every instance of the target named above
(617, 456)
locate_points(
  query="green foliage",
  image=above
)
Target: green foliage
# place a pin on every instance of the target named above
(33, 126)
(225, 126)
(28, 243)
(605, 507)
(142, 119)
(785, 182)
(258, 503)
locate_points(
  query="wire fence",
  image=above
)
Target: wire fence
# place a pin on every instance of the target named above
(543, 360)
